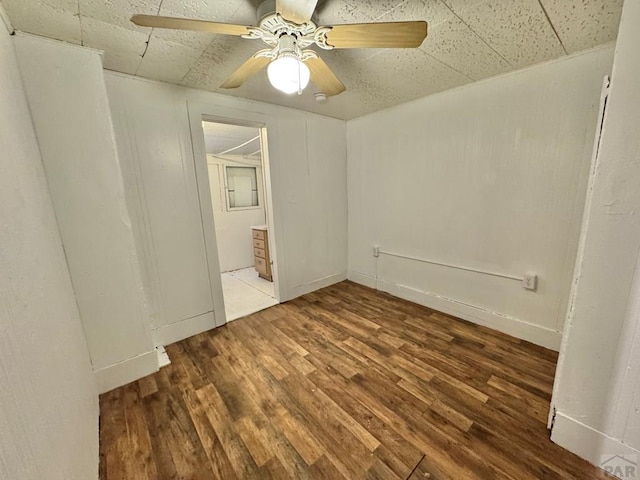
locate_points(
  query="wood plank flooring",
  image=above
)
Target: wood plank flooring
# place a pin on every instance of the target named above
(343, 383)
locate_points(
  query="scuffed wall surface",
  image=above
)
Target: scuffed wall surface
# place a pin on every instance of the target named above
(68, 100)
(48, 401)
(490, 176)
(597, 391)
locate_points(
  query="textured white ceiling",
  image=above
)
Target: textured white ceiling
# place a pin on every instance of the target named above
(220, 137)
(468, 40)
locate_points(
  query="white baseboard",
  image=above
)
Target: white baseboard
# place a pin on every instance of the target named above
(174, 332)
(127, 371)
(133, 369)
(362, 279)
(316, 285)
(588, 443)
(503, 323)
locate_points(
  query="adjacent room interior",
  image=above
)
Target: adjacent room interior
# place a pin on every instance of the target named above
(333, 239)
(238, 198)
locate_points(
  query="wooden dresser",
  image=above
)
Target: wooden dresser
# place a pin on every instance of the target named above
(261, 256)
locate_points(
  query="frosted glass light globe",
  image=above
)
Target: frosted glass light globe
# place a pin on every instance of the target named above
(288, 74)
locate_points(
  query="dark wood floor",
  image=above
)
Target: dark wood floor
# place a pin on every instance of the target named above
(346, 382)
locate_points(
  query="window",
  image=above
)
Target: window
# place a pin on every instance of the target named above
(242, 187)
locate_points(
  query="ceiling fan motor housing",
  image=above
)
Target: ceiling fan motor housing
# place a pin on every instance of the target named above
(288, 46)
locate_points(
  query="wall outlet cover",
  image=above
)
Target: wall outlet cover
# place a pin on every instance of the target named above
(530, 281)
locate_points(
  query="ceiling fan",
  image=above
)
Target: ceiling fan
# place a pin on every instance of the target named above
(287, 27)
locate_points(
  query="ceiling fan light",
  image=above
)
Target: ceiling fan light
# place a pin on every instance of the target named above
(288, 74)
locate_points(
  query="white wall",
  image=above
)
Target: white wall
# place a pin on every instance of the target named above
(67, 97)
(48, 400)
(597, 389)
(307, 157)
(233, 227)
(488, 176)
(152, 135)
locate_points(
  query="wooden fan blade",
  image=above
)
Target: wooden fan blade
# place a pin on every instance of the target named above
(189, 24)
(296, 11)
(378, 35)
(247, 70)
(324, 78)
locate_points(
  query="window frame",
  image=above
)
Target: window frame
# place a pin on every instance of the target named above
(256, 169)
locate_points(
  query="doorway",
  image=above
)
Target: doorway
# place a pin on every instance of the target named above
(244, 242)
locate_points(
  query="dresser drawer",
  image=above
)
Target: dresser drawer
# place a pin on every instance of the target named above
(261, 252)
(261, 265)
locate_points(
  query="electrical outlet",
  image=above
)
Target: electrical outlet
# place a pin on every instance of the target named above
(376, 251)
(530, 282)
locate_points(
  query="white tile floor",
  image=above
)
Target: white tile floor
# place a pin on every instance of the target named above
(246, 293)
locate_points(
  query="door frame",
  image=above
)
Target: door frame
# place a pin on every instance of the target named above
(199, 112)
